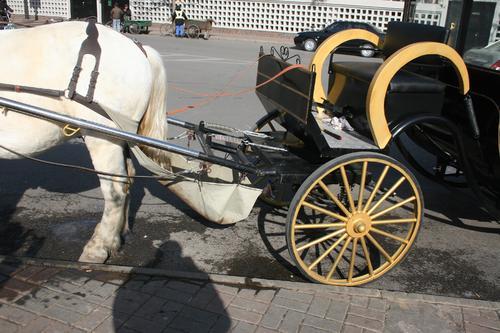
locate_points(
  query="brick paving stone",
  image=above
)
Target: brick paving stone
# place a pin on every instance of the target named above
(290, 304)
(365, 312)
(3, 278)
(243, 315)
(152, 286)
(93, 319)
(64, 315)
(323, 324)
(265, 295)
(223, 324)
(310, 329)
(16, 315)
(127, 301)
(57, 327)
(10, 270)
(273, 317)
(471, 312)
(188, 325)
(202, 299)
(247, 293)
(135, 284)
(451, 313)
(112, 323)
(110, 277)
(172, 307)
(361, 301)
(62, 286)
(295, 295)
(38, 325)
(351, 329)
(152, 307)
(250, 305)
(18, 285)
(482, 321)
(189, 288)
(220, 303)
(261, 329)
(291, 322)
(74, 303)
(44, 275)
(174, 295)
(105, 290)
(473, 328)
(337, 310)
(72, 276)
(28, 272)
(7, 295)
(378, 304)
(143, 325)
(8, 327)
(243, 327)
(206, 317)
(490, 314)
(319, 306)
(370, 324)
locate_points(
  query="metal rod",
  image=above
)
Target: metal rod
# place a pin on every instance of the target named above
(126, 136)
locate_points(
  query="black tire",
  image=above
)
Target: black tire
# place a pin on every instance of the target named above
(134, 28)
(309, 45)
(193, 31)
(312, 202)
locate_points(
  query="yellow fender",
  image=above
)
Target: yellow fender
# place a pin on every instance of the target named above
(375, 99)
(327, 47)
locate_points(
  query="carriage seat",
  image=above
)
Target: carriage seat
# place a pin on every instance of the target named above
(408, 92)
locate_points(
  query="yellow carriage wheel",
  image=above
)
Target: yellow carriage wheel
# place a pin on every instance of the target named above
(354, 219)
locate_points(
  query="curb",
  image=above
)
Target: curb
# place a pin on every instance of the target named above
(256, 283)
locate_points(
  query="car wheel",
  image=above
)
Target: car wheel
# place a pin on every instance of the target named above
(367, 50)
(310, 45)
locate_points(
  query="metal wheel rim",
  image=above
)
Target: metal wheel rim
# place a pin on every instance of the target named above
(309, 45)
(367, 53)
(345, 240)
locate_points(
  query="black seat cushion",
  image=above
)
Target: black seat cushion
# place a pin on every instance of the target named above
(403, 81)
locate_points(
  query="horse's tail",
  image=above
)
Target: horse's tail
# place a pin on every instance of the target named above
(154, 121)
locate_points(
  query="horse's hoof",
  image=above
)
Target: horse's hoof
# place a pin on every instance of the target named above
(95, 258)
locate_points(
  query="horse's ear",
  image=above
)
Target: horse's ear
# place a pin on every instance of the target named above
(92, 28)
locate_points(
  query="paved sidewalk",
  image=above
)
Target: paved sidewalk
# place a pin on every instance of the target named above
(48, 299)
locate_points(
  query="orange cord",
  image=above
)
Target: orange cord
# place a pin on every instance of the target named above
(212, 97)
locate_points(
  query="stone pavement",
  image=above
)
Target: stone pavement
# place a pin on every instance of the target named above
(49, 299)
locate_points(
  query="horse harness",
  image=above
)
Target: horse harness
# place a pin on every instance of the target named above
(90, 46)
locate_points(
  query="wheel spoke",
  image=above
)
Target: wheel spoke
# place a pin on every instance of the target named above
(319, 226)
(353, 258)
(319, 240)
(386, 234)
(402, 203)
(362, 185)
(347, 188)
(394, 221)
(367, 256)
(334, 198)
(324, 211)
(327, 252)
(339, 256)
(380, 248)
(375, 189)
(389, 192)
(272, 126)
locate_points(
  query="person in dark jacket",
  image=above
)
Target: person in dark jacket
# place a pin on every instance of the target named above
(127, 13)
(179, 17)
(5, 10)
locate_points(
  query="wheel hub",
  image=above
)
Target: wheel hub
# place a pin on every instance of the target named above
(358, 225)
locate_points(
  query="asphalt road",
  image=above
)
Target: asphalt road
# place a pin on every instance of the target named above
(50, 213)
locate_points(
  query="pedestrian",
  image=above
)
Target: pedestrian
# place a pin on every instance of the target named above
(179, 17)
(127, 13)
(116, 15)
(5, 10)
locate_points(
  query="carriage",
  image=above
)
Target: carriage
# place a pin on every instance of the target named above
(354, 207)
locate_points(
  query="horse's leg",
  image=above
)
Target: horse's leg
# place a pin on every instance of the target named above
(130, 173)
(108, 157)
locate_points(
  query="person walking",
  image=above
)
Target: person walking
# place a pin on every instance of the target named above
(179, 17)
(5, 10)
(127, 13)
(116, 15)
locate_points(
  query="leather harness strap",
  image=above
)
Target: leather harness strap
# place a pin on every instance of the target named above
(89, 46)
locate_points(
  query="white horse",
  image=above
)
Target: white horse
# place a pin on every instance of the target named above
(130, 85)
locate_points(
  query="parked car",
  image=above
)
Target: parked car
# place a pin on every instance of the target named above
(309, 40)
(488, 56)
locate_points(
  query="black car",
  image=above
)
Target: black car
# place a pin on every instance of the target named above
(309, 40)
